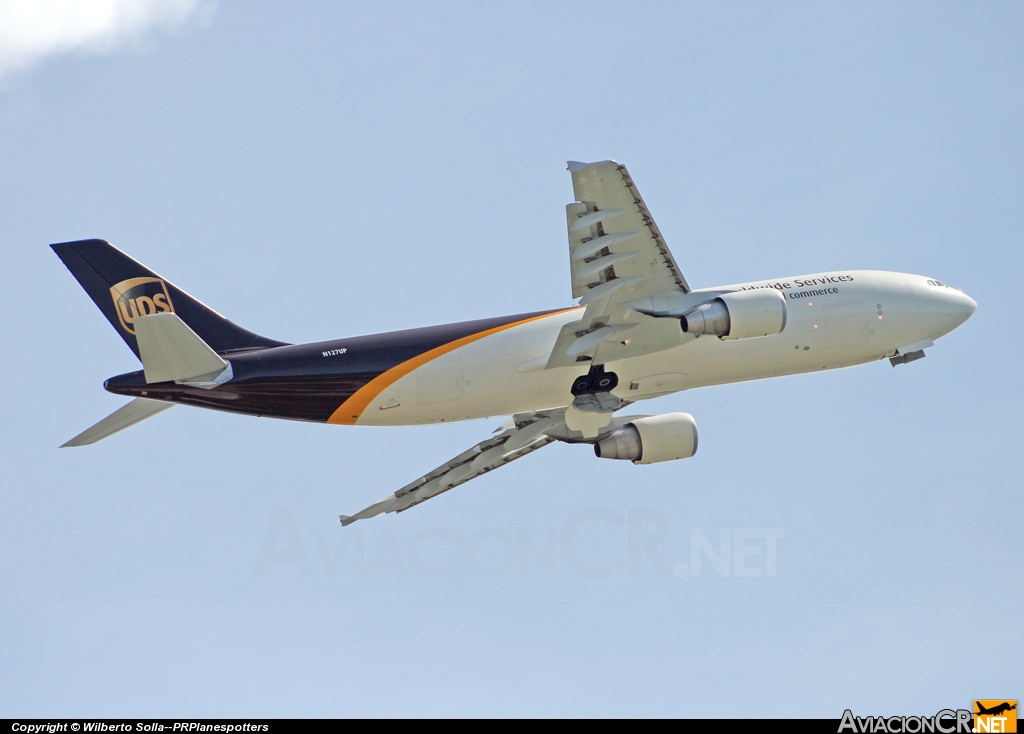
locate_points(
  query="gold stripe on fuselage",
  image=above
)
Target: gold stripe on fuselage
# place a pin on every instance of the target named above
(348, 412)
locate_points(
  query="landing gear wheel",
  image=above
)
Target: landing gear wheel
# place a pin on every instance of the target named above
(595, 381)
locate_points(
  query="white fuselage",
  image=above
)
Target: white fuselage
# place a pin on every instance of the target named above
(835, 319)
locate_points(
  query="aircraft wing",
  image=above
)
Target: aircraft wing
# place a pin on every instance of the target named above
(522, 434)
(617, 255)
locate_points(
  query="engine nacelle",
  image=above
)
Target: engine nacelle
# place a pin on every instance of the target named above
(739, 315)
(651, 439)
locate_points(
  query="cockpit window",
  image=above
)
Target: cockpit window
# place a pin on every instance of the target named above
(937, 283)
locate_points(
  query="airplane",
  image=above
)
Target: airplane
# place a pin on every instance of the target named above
(638, 331)
(995, 710)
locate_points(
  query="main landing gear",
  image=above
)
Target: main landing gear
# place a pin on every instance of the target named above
(592, 391)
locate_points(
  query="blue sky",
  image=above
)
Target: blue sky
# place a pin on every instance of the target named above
(320, 170)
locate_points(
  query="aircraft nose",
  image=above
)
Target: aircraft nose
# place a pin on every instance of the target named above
(972, 305)
(958, 308)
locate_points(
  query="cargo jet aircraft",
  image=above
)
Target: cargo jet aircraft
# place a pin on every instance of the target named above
(639, 331)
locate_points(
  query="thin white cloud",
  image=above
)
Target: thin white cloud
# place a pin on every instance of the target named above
(31, 30)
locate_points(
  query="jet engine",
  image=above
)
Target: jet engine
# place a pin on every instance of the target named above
(739, 315)
(651, 439)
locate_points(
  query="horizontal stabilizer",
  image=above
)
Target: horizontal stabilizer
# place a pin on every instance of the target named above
(169, 350)
(126, 416)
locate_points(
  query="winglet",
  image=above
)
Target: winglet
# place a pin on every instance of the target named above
(388, 504)
(573, 166)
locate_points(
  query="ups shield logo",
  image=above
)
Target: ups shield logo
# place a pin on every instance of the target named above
(137, 297)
